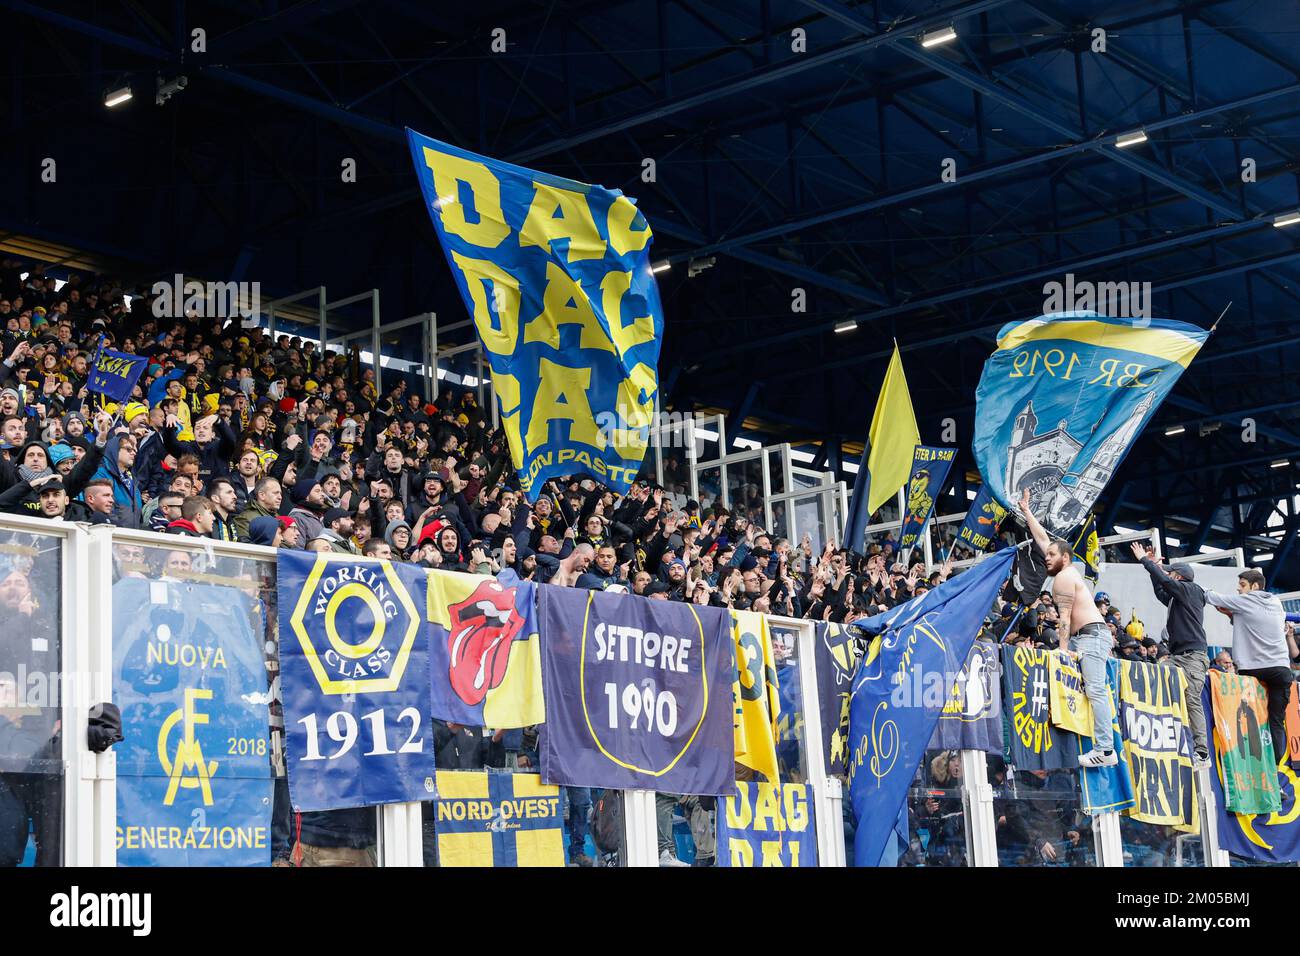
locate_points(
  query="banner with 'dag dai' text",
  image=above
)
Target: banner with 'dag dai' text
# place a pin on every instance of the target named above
(354, 675)
(194, 772)
(637, 693)
(556, 276)
(767, 825)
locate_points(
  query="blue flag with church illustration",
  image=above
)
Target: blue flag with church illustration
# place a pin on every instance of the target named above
(894, 708)
(1062, 400)
(556, 276)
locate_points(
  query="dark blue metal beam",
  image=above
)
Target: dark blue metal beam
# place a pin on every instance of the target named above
(1090, 144)
(757, 78)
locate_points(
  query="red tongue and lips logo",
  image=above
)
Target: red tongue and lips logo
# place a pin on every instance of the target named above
(478, 641)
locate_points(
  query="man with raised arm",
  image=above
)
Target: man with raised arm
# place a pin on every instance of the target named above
(1088, 635)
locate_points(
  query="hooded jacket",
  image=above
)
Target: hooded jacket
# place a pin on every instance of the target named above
(128, 507)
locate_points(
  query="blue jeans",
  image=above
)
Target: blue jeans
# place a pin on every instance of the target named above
(579, 800)
(1093, 646)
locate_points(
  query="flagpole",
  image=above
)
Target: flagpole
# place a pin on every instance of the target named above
(1220, 318)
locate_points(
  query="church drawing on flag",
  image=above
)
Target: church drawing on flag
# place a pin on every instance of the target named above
(1042, 464)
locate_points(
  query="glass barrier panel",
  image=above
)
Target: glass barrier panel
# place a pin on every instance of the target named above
(710, 482)
(708, 441)
(1038, 818)
(804, 480)
(780, 522)
(776, 470)
(936, 824)
(1147, 844)
(677, 462)
(31, 684)
(745, 489)
(810, 519)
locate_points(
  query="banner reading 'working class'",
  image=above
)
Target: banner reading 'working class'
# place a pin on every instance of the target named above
(194, 772)
(354, 674)
(556, 277)
(638, 693)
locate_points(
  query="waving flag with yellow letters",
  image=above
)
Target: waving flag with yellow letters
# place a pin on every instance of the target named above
(556, 276)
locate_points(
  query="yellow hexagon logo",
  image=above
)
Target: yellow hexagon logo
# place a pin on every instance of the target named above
(356, 623)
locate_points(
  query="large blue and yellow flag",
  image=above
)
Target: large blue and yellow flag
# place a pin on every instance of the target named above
(756, 694)
(556, 276)
(887, 456)
(1062, 400)
(497, 819)
(114, 374)
(891, 715)
(485, 662)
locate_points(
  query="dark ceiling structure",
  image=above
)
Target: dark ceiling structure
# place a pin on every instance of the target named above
(851, 182)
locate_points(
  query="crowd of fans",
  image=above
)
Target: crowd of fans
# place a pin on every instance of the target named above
(232, 434)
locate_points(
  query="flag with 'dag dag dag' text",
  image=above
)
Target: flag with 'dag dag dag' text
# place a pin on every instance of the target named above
(556, 276)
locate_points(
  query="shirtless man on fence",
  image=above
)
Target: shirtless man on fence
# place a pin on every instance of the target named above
(1088, 635)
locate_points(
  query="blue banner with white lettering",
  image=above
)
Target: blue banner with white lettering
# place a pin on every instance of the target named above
(930, 467)
(893, 709)
(1267, 837)
(556, 277)
(114, 374)
(194, 772)
(763, 824)
(1063, 398)
(354, 678)
(638, 693)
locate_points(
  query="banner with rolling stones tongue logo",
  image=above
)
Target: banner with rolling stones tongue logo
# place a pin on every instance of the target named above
(485, 667)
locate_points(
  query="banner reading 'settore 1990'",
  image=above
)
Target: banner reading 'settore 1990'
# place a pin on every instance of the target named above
(1062, 400)
(556, 275)
(638, 693)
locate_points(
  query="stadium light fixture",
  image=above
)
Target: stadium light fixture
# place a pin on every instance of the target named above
(1173, 430)
(1125, 140)
(1280, 463)
(118, 96)
(1287, 219)
(850, 326)
(938, 37)
(663, 265)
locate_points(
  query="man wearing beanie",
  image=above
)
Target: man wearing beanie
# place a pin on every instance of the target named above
(309, 510)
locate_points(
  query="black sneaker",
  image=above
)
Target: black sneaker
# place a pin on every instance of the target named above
(703, 861)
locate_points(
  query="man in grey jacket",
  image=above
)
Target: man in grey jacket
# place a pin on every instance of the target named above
(1259, 645)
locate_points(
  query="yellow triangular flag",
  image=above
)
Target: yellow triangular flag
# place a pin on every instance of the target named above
(893, 437)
